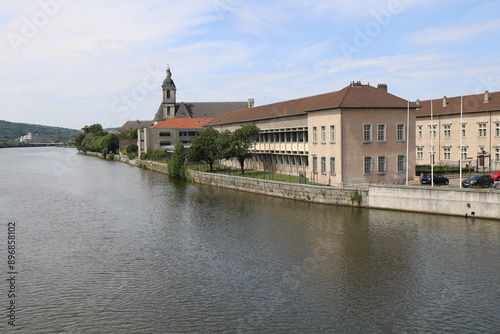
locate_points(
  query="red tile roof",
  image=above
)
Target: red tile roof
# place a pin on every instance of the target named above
(471, 103)
(352, 96)
(183, 123)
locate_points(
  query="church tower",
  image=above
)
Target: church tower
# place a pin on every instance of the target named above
(168, 104)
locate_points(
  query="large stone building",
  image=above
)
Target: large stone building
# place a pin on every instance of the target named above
(458, 129)
(31, 138)
(165, 134)
(359, 134)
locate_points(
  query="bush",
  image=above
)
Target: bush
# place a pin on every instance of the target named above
(177, 165)
(132, 151)
(156, 155)
(426, 169)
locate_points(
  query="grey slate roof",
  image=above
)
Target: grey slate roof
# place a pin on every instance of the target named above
(136, 125)
(202, 109)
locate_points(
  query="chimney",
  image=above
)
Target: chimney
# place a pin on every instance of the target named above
(382, 87)
(445, 101)
(486, 96)
(417, 102)
(356, 84)
(251, 103)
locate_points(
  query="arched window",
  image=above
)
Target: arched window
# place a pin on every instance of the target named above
(168, 94)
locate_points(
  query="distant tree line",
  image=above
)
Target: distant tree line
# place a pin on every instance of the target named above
(10, 133)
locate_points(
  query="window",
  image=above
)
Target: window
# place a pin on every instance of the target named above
(323, 134)
(447, 153)
(497, 154)
(463, 130)
(432, 133)
(382, 165)
(164, 134)
(420, 131)
(420, 153)
(315, 134)
(165, 143)
(367, 133)
(332, 165)
(447, 131)
(481, 130)
(401, 163)
(315, 165)
(323, 165)
(368, 165)
(332, 133)
(497, 129)
(400, 132)
(381, 133)
(464, 153)
(183, 134)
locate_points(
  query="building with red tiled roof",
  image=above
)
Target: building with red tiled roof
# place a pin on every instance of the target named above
(359, 134)
(165, 134)
(459, 129)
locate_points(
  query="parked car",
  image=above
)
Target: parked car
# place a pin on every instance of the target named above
(484, 180)
(438, 179)
(495, 175)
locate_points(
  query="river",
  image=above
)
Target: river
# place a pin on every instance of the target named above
(104, 247)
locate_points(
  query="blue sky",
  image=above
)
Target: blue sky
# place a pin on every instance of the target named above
(72, 63)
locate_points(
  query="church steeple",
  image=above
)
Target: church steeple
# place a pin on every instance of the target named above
(169, 91)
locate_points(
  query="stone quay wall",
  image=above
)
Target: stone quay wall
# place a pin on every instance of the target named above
(480, 203)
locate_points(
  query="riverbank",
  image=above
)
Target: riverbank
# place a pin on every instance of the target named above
(480, 203)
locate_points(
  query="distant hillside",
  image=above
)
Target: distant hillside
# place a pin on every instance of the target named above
(13, 131)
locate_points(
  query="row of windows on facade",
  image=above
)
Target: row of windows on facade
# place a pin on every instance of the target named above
(283, 137)
(181, 134)
(482, 130)
(367, 165)
(382, 133)
(447, 153)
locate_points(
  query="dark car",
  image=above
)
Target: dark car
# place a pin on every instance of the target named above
(484, 180)
(438, 179)
(495, 175)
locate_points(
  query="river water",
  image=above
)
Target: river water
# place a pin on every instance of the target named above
(104, 247)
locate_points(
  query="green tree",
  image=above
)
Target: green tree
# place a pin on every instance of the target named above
(205, 147)
(238, 144)
(177, 165)
(94, 128)
(109, 142)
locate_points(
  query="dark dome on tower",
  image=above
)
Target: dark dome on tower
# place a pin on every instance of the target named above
(168, 80)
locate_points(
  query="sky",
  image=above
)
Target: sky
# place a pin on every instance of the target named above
(72, 63)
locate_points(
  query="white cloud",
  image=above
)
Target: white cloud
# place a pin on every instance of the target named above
(447, 34)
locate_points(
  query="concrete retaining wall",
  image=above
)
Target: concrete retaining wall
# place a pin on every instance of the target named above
(482, 203)
(302, 192)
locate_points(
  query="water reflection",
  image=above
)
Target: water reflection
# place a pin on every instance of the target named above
(112, 248)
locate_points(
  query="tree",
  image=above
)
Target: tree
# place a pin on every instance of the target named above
(94, 128)
(205, 147)
(238, 144)
(177, 165)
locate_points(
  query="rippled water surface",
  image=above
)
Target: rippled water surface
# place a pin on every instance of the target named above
(104, 247)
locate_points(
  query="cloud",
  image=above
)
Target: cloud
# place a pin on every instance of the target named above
(447, 34)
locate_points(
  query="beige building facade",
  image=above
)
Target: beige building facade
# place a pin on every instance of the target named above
(459, 129)
(360, 134)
